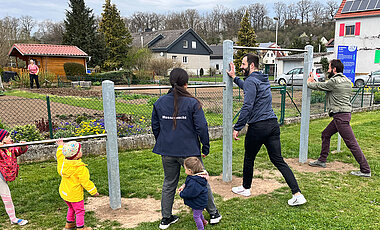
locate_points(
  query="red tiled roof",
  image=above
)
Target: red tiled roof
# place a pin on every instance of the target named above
(47, 50)
(339, 14)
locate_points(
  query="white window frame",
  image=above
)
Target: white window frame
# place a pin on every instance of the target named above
(185, 44)
(185, 60)
(194, 44)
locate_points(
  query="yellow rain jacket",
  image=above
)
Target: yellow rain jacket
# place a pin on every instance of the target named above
(75, 177)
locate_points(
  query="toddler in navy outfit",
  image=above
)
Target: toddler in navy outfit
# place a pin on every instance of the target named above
(194, 191)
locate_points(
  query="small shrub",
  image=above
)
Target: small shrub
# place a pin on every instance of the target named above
(43, 125)
(96, 83)
(152, 100)
(74, 69)
(25, 133)
(2, 126)
(65, 129)
(377, 97)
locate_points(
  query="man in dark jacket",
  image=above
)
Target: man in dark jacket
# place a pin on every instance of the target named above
(263, 127)
(339, 89)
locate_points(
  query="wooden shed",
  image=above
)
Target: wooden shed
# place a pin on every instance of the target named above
(49, 58)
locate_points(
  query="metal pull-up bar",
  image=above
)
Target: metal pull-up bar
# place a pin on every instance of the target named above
(228, 52)
(53, 140)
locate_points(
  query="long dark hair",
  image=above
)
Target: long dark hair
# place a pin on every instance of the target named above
(178, 78)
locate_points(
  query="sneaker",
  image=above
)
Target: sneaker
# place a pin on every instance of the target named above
(241, 191)
(20, 222)
(215, 218)
(205, 222)
(362, 174)
(297, 200)
(70, 226)
(166, 222)
(318, 163)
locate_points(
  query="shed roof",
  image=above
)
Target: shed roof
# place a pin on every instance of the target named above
(46, 50)
(300, 56)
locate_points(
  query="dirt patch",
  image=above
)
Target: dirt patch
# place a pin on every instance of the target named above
(67, 92)
(334, 166)
(133, 211)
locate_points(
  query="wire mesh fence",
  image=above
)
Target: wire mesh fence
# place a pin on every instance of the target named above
(56, 116)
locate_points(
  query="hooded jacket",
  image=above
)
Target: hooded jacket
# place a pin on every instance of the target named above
(195, 192)
(338, 96)
(8, 162)
(75, 177)
(257, 104)
(191, 130)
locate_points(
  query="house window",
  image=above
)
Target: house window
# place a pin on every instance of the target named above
(350, 30)
(174, 58)
(217, 66)
(184, 59)
(185, 44)
(194, 44)
(271, 54)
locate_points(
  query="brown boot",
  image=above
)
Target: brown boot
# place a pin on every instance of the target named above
(70, 226)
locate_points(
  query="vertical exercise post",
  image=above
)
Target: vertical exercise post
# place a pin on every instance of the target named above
(305, 111)
(227, 112)
(108, 92)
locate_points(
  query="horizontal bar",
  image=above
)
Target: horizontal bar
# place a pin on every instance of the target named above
(53, 140)
(263, 48)
(168, 87)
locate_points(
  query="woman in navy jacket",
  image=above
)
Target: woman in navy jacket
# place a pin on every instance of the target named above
(179, 127)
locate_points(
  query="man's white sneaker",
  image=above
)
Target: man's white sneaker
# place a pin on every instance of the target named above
(297, 200)
(241, 191)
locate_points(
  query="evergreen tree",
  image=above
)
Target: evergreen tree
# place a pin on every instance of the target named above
(81, 31)
(117, 37)
(246, 37)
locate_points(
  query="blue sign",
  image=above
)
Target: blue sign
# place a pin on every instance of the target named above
(348, 54)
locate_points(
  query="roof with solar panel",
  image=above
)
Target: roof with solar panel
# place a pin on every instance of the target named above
(358, 8)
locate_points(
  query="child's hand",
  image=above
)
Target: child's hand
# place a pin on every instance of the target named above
(59, 142)
(96, 194)
(181, 188)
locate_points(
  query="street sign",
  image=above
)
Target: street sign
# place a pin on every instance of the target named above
(348, 54)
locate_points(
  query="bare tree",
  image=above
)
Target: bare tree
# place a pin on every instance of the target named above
(26, 26)
(190, 18)
(331, 9)
(257, 12)
(317, 12)
(50, 32)
(280, 12)
(231, 22)
(304, 9)
(9, 28)
(292, 15)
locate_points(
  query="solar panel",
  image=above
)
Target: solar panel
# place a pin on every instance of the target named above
(378, 5)
(355, 6)
(347, 7)
(360, 5)
(363, 5)
(372, 4)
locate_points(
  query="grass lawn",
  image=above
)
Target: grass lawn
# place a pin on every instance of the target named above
(335, 200)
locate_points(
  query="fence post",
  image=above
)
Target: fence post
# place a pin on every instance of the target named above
(305, 111)
(108, 92)
(49, 117)
(282, 113)
(227, 112)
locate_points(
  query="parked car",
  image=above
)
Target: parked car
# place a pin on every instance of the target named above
(295, 76)
(372, 78)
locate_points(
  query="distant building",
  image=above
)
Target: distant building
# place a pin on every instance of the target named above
(330, 45)
(183, 46)
(357, 24)
(268, 57)
(216, 58)
(49, 58)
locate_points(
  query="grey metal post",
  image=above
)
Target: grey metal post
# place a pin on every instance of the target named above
(227, 111)
(112, 147)
(305, 111)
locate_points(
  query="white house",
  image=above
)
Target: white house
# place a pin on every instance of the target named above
(358, 24)
(183, 46)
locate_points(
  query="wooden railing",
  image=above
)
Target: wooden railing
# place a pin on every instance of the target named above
(20, 71)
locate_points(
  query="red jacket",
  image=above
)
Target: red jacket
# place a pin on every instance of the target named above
(8, 162)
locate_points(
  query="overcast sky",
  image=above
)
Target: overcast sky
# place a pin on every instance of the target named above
(55, 9)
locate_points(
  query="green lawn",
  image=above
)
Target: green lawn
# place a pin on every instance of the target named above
(335, 200)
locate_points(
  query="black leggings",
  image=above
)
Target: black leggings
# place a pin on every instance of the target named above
(268, 133)
(34, 77)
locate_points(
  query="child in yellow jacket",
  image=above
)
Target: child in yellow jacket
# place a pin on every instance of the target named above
(75, 177)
